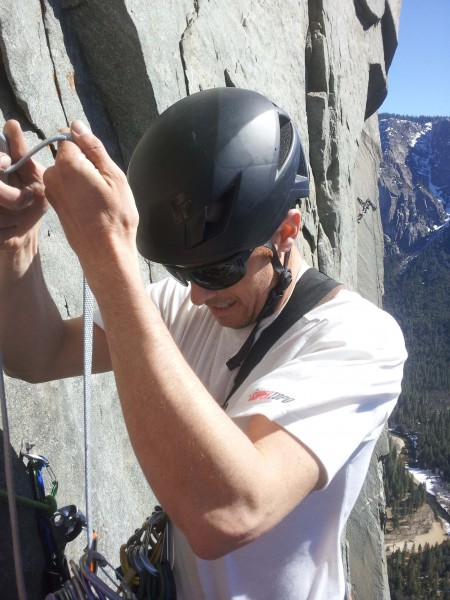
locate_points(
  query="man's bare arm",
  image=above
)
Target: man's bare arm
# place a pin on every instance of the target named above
(37, 345)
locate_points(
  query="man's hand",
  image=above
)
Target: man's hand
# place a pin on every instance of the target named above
(93, 201)
(22, 199)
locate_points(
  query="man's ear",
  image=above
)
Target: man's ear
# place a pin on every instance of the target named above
(286, 234)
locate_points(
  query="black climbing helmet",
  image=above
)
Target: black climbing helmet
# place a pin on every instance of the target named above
(215, 174)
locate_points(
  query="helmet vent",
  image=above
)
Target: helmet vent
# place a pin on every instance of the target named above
(286, 136)
(219, 212)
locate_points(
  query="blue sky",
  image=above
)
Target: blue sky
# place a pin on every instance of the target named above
(419, 77)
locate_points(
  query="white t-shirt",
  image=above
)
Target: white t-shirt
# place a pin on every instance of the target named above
(331, 380)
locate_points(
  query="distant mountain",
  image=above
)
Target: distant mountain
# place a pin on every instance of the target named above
(414, 183)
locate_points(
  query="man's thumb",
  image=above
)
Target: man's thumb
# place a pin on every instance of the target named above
(79, 128)
(90, 145)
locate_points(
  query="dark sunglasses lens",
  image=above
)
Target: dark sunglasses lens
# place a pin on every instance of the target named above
(214, 277)
(217, 277)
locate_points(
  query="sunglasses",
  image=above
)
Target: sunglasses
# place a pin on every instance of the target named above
(216, 276)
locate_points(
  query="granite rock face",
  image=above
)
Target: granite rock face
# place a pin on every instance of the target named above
(118, 64)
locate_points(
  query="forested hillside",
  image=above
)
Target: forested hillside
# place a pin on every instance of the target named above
(417, 294)
(403, 495)
(420, 573)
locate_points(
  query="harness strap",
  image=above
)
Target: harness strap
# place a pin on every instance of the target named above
(311, 289)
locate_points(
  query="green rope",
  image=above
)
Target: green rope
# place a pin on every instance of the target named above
(48, 504)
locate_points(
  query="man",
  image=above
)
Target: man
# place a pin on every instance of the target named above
(259, 488)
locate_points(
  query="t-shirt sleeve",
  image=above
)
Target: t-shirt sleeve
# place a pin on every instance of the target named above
(337, 391)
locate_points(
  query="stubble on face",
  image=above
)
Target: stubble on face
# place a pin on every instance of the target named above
(238, 306)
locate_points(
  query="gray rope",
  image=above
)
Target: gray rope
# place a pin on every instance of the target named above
(88, 327)
(59, 137)
(18, 565)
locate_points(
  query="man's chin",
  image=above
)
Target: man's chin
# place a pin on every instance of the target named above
(232, 321)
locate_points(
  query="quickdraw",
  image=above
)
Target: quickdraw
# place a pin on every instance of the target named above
(145, 572)
(145, 560)
(85, 582)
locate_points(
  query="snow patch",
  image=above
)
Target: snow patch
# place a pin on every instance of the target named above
(414, 139)
(434, 486)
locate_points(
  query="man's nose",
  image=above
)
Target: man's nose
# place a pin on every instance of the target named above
(199, 295)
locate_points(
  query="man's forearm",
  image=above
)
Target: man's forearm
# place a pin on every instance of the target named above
(30, 324)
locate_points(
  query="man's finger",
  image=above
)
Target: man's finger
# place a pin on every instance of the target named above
(92, 148)
(5, 161)
(15, 199)
(18, 147)
(16, 140)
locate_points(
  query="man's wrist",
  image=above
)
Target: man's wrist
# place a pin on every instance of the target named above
(113, 275)
(16, 260)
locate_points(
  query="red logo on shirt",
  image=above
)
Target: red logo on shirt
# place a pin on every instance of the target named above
(260, 395)
(266, 395)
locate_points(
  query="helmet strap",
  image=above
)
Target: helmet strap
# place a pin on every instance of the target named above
(284, 281)
(273, 299)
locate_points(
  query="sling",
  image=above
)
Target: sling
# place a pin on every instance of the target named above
(310, 289)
